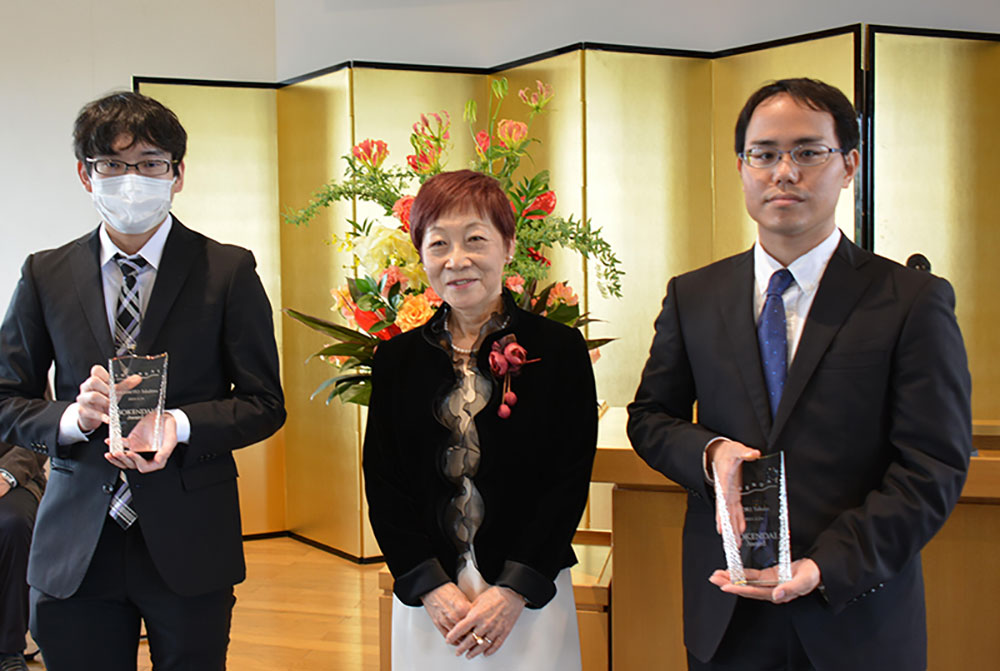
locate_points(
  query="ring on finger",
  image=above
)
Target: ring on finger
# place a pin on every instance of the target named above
(479, 639)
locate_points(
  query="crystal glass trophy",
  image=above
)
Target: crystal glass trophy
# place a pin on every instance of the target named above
(137, 400)
(755, 527)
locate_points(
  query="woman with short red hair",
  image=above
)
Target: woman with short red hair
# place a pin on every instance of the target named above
(481, 435)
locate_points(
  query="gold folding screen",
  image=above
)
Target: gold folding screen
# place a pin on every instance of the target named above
(631, 142)
(936, 143)
(323, 468)
(649, 186)
(231, 194)
(561, 149)
(639, 143)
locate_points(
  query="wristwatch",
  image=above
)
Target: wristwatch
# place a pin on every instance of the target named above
(11, 480)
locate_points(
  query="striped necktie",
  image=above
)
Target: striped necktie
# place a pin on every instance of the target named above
(128, 313)
(772, 335)
(128, 316)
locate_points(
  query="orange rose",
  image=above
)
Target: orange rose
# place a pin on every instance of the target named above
(414, 312)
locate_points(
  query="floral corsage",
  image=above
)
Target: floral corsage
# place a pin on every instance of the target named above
(506, 359)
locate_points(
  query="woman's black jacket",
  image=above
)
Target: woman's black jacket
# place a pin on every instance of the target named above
(534, 472)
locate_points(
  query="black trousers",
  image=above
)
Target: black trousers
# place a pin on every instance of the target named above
(98, 627)
(760, 637)
(17, 517)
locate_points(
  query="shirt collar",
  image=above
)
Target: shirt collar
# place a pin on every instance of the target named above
(807, 270)
(152, 251)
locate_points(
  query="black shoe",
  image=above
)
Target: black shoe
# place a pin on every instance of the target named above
(13, 662)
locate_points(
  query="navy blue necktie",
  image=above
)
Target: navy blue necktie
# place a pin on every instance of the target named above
(773, 337)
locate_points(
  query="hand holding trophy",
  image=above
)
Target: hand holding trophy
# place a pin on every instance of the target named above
(136, 398)
(753, 520)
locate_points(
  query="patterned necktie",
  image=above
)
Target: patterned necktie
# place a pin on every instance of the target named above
(773, 337)
(128, 316)
(129, 312)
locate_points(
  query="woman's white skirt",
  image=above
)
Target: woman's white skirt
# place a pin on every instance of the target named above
(544, 639)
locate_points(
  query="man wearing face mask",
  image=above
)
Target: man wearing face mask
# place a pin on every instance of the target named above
(123, 538)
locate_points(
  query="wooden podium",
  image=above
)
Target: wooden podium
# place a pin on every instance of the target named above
(961, 567)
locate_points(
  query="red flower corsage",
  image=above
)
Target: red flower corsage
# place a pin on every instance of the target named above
(506, 359)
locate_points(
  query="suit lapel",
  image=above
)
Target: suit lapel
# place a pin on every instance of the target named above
(90, 290)
(737, 313)
(179, 254)
(839, 291)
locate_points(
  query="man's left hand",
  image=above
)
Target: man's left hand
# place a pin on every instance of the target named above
(805, 578)
(140, 441)
(4, 488)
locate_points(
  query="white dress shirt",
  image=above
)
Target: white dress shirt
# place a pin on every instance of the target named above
(807, 271)
(112, 279)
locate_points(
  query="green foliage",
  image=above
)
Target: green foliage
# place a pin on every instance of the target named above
(380, 186)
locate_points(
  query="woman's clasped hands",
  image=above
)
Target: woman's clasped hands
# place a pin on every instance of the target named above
(477, 627)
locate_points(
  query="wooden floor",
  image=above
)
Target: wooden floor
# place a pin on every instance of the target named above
(300, 609)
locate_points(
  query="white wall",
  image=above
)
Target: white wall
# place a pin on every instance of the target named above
(56, 55)
(313, 34)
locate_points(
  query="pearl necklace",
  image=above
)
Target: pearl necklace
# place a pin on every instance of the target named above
(471, 351)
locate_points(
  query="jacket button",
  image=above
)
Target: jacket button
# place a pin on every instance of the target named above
(107, 489)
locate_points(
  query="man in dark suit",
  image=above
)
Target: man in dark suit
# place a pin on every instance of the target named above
(851, 365)
(22, 481)
(119, 538)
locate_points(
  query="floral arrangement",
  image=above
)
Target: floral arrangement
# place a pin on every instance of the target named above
(387, 291)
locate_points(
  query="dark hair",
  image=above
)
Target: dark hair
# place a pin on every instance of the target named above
(812, 93)
(103, 121)
(459, 191)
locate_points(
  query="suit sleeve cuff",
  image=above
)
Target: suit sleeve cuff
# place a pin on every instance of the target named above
(69, 426)
(421, 579)
(536, 589)
(183, 425)
(704, 460)
(834, 595)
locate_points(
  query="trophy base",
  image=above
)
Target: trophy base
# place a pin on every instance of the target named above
(759, 583)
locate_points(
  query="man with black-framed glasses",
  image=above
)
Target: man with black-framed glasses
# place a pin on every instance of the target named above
(850, 365)
(137, 536)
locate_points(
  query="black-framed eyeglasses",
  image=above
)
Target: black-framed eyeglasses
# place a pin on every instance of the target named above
(148, 167)
(805, 155)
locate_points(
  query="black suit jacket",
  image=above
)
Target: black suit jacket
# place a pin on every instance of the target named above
(534, 473)
(207, 310)
(875, 423)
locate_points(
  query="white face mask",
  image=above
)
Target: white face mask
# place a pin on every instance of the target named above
(132, 204)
